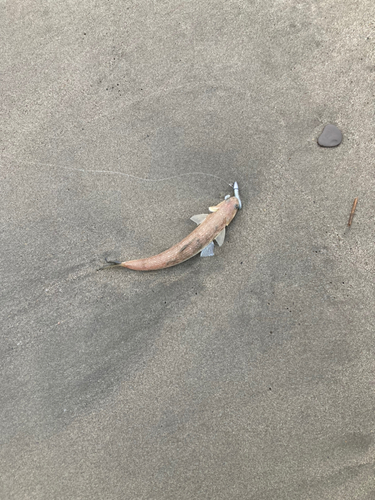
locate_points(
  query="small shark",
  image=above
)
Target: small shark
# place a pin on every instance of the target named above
(210, 227)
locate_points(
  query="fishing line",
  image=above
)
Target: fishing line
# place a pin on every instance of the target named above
(113, 172)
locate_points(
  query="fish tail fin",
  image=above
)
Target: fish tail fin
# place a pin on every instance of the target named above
(111, 263)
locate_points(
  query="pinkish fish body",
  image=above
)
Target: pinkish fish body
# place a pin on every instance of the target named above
(210, 227)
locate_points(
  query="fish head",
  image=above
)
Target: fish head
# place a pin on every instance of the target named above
(228, 208)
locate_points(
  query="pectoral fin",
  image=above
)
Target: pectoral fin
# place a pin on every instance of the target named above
(198, 219)
(208, 251)
(214, 209)
(220, 237)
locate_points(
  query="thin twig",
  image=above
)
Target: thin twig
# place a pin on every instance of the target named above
(352, 212)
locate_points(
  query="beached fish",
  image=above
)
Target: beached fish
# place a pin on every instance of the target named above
(210, 227)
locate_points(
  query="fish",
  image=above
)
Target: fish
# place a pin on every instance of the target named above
(210, 227)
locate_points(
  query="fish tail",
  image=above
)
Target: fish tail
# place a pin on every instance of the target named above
(111, 263)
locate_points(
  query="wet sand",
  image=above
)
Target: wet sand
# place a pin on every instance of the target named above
(249, 375)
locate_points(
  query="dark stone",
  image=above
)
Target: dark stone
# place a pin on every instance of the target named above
(330, 137)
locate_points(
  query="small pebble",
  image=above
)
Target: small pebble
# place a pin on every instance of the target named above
(330, 137)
